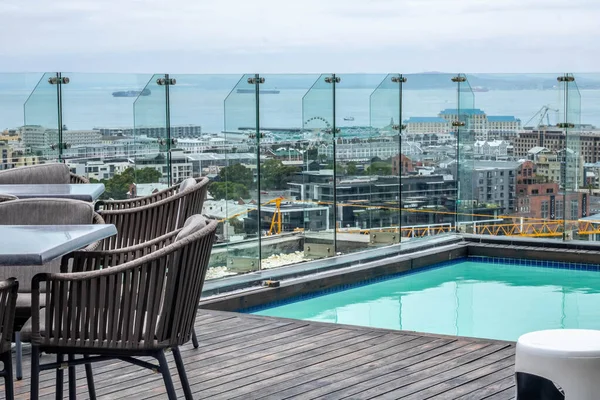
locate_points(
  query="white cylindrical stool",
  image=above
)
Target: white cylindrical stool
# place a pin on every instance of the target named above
(568, 357)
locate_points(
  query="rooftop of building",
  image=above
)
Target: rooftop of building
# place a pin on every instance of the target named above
(416, 120)
(502, 118)
(491, 165)
(465, 111)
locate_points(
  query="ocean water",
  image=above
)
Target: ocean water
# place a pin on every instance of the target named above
(211, 101)
(496, 301)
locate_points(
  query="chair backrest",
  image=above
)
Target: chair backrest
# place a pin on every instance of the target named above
(7, 197)
(43, 212)
(140, 224)
(8, 304)
(53, 173)
(150, 302)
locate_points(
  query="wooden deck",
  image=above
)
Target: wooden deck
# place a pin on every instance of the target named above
(252, 357)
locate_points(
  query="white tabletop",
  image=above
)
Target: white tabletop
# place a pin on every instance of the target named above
(38, 244)
(78, 191)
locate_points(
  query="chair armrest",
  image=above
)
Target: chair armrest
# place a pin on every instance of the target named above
(74, 178)
(116, 306)
(91, 259)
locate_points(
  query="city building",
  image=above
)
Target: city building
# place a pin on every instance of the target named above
(211, 163)
(181, 167)
(491, 149)
(485, 127)
(494, 183)
(99, 169)
(12, 158)
(373, 201)
(177, 131)
(361, 149)
(502, 127)
(422, 125)
(402, 165)
(586, 143)
(555, 166)
(39, 138)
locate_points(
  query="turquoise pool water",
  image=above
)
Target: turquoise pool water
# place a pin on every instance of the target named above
(496, 301)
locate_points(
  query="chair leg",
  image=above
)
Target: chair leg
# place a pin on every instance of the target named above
(19, 355)
(90, 380)
(60, 379)
(72, 379)
(35, 373)
(194, 339)
(164, 369)
(182, 375)
(8, 375)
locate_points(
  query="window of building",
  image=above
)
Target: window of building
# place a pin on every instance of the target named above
(550, 190)
(535, 191)
(545, 209)
(574, 214)
(559, 209)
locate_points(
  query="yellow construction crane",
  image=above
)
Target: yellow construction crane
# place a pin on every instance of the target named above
(276, 220)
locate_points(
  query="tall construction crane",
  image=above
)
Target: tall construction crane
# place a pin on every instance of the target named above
(540, 115)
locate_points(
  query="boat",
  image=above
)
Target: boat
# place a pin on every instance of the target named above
(262, 91)
(480, 89)
(132, 93)
(348, 118)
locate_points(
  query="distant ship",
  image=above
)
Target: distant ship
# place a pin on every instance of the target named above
(265, 91)
(480, 89)
(132, 93)
(348, 118)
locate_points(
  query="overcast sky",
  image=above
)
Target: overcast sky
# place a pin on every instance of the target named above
(223, 36)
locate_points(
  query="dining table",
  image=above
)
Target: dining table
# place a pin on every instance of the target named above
(39, 244)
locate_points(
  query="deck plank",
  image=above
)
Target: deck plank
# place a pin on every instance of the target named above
(251, 357)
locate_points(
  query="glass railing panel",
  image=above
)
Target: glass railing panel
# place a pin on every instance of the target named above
(98, 132)
(589, 91)
(15, 88)
(201, 148)
(572, 177)
(385, 168)
(239, 180)
(464, 127)
(151, 131)
(364, 157)
(319, 182)
(41, 135)
(517, 169)
(287, 158)
(429, 155)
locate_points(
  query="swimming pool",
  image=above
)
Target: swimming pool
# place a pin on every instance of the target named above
(466, 298)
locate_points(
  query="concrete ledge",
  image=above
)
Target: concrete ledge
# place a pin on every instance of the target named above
(536, 253)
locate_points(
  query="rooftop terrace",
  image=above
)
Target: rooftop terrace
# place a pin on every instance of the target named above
(250, 357)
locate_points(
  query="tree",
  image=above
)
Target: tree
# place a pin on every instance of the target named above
(118, 186)
(237, 173)
(228, 191)
(379, 168)
(351, 168)
(275, 175)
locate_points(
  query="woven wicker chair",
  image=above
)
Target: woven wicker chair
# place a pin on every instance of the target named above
(40, 211)
(142, 219)
(8, 302)
(52, 173)
(136, 309)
